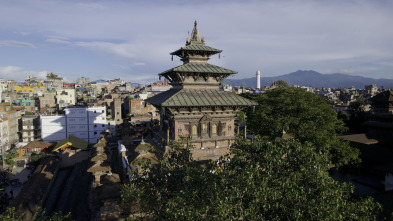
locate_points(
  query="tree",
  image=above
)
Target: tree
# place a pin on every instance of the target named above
(10, 215)
(305, 116)
(264, 180)
(357, 114)
(280, 83)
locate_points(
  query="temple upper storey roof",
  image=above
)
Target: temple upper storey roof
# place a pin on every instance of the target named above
(196, 48)
(199, 98)
(199, 68)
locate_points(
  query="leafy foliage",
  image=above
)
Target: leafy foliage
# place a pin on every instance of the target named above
(35, 159)
(10, 215)
(357, 115)
(28, 113)
(264, 180)
(280, 83)
(305, 116)
(241, 117)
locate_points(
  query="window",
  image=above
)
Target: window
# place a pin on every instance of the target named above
(229, 127)
(194, 130)
(179, 131)
(214, 129)
(102, 111)
(95, 133)
(204, 128)
(103, 125)
(95, 125)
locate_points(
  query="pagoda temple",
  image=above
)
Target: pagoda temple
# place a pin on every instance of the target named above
(195, 106)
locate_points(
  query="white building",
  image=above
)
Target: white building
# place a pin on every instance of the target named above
(97, 122)
(53, 128)
(3, 134)
(66, 97)
(227, 87)
(85, 123)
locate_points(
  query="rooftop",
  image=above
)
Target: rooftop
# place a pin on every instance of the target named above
(198, 97)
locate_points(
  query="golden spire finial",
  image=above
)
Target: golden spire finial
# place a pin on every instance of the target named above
(195, 37)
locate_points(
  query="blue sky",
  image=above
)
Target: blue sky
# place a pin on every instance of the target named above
(132, 39)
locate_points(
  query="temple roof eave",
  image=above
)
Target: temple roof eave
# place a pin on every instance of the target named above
(199, 98)
(198, 68)
(196, 48)
(210, 106)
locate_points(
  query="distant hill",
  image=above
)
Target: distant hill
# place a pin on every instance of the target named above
(314, 79)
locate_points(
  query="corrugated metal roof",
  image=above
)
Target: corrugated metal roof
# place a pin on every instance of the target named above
(198, 97)
(199, 68)
(77, 142)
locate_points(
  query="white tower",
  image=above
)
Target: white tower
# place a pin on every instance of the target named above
(258, 79)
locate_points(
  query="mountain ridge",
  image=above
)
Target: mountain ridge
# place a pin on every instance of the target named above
(315, 79)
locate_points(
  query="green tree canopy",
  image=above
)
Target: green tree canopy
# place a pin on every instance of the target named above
(264, 180)
(280, 83)
(304, 115)
(357, 115)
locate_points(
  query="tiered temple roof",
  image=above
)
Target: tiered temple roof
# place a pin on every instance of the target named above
(199, 97)
(196, 83)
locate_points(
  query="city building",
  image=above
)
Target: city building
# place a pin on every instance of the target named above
(13, 116)
(116, 105)
(160, 86)
(30, 128)
(66, 97)
(83, 122)
(370, 90)
(195, 107)
(53, 128)
(3, 134)
(53, 82)
(48, 100)
(3, 84)
(83, 81)
(380, 118)
(142, 112)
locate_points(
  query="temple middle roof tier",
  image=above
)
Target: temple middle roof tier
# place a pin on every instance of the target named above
(196, 49)
(198, 68)
(199, 98)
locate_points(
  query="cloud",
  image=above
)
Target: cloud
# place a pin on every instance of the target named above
(277, 37)
(9, 70)
(17, 44)
(142, 78)
(123, 49)
(19, 73)
(55, 40)
(139, 64)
